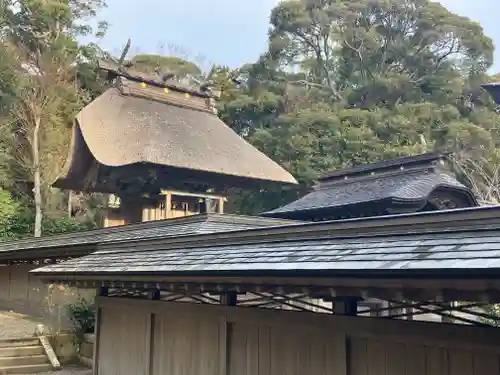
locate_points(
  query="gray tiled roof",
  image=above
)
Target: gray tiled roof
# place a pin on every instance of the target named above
(428, 159)
(163, 228)
(494, 90)
(479, 249)
(405, 187)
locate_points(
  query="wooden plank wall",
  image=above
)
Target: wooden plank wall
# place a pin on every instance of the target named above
(263, 349)
(185, 345)
(186, 339)
(125, 338)
(372, 356)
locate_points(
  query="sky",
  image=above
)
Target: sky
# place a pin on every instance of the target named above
(229, 32)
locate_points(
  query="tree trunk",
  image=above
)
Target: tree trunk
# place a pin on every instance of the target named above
(37, 189)
(70, 203)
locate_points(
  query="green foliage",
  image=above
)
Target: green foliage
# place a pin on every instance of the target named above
(20, 224)
(8, 210)
(493, 311)
(82, 315)
(41, 67)
(352, 82)
(64, 224)
(343, 82)
(167, 64)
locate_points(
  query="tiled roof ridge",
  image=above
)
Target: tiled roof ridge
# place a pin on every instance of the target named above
(108, 230)
(101, 235)
(426, 159)
(250, 219)
(358, 237)
(325, 184)
(457, 220)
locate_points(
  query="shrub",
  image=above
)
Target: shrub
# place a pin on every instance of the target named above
(20, 224)
(82, 315)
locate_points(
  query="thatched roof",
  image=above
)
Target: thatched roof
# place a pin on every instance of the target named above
(138, 123)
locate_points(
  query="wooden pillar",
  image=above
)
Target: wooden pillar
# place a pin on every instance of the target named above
(226, 332)
(153, 294)
(448, 317)
(396, 309)
(410, 311)
(145, 214)
(229, 299)
(131, 209)
(168, 205)
(97, 340)
(384, 305)
(103, 292)
(346, 306)
(221, 206)
(374, 313)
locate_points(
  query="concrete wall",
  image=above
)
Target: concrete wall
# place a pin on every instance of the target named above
(87, 350)
(26, 294)
(155, 338)
(64, 347)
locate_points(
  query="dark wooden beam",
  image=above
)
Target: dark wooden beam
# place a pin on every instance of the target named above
(479, 290)
(154, 294)
(347, 306)
(102, 291)
(229, 298)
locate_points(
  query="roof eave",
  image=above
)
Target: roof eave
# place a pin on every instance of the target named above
(494, 90)
(58, 252)
(315, 210)
(118, 278)
(394, 199)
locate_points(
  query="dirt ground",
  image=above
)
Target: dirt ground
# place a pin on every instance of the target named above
(70, 370)
(16, 325)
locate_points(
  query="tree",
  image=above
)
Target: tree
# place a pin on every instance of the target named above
(341, 44)
(41, 57)
(482, 174)
(352, 82)
(43, 94)
(166, 64)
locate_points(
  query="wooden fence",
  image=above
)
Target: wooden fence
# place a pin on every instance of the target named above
(155, 337)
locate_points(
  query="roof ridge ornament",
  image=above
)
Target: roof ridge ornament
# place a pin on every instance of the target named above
(124, 55)
(121, 68)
